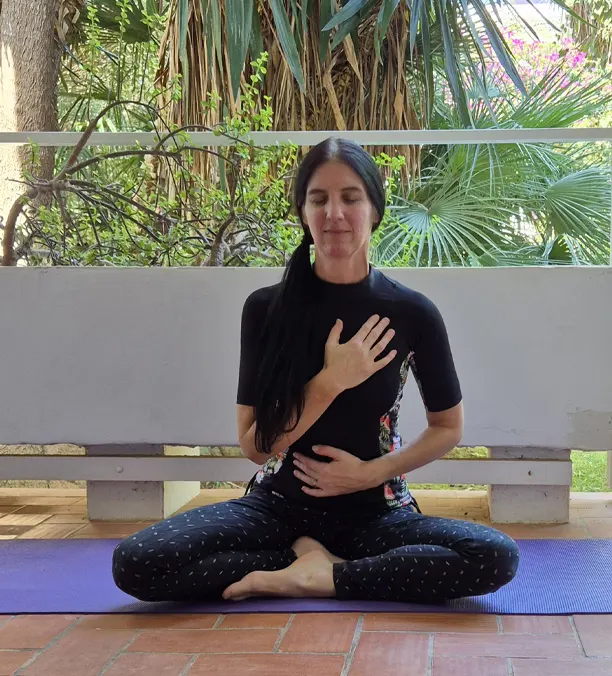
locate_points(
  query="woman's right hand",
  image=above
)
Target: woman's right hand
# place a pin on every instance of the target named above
(350, 364)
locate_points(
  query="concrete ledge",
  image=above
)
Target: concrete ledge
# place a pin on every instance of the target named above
(529, 503)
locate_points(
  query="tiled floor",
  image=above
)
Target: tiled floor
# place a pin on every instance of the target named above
(302, 644)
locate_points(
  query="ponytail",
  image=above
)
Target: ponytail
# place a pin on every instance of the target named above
(283, 368)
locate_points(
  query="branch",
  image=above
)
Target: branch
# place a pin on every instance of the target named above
(11, 223)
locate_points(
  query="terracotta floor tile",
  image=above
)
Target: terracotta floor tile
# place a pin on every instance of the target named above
(23, 519)
(13, 531)
(594, 632)
(430, 622)
(320, 633)
(601, 510)
(8, 509)
(470, 666)
(81, 652)
(110, 530)
(599, 528)
(149, 621)
(50, 531)
(267, 665)
(539, 624)
(52, 509)
(11, 660)
(583, 667)
(254, 621)
(390, 655)
(569, 531)
(33, 631)
(206, 641)
(68, 518)
(17, 498)
(558, 646)
(148, 664)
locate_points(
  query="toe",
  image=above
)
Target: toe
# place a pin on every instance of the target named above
(236, 591)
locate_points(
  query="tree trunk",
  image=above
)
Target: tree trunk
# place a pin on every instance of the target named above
(30, 57)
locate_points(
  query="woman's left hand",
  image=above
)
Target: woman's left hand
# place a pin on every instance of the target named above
(344, 474)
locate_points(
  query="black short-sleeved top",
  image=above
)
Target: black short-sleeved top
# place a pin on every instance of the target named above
(362, 420)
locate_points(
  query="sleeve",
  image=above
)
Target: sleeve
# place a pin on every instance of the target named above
(432, 361)
(252, 323)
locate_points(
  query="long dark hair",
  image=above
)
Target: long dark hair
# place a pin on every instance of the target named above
(283, 365)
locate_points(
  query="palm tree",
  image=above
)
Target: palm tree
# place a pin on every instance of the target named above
(510, 204)
(593, 27)
(361, 64)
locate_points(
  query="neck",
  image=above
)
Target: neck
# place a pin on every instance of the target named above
(342, 270)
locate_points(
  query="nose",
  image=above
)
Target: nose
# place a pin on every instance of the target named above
(335, 210)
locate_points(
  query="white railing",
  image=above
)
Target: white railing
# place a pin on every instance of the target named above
(309, 138)
(391, 137)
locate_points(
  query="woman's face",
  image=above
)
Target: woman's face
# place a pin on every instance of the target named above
(338, 211)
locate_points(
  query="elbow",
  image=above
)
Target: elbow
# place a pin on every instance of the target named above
(451, 435)
(253, 454)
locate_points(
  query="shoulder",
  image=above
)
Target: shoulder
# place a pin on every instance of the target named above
(410, 301)
(258, 301)
(262, 296)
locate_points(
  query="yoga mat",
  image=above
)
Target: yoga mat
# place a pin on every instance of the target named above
(555, 577)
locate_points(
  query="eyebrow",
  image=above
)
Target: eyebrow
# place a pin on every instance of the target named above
(316, 191)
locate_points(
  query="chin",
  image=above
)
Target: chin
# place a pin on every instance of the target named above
(339, 251)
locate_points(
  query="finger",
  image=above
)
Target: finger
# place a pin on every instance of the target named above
(382, 343)
(312, 466)
(363, 332)
(328, 451)
(381, 363)
(318, 492)
(376, 332)
(305, 478)
(306, 469)
(334, 334)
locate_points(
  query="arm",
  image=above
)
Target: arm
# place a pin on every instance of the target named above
(320, 392)
(444, 431)
(434, 371)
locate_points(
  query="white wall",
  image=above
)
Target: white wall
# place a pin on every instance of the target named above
(107, 355)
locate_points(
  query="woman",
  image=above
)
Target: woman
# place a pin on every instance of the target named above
(324, 358)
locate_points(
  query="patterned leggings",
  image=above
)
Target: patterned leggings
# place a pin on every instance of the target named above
(393, 555)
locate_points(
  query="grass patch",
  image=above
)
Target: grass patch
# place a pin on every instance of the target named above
(588, 469)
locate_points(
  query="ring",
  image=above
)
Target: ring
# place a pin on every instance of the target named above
(316, 481)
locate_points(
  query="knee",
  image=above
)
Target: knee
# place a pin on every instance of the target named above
(129, 571)
(503, 561)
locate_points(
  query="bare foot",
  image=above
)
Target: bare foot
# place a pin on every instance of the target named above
(310, 576)
(304, 545)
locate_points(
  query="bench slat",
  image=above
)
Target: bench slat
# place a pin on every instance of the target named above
(172, 468)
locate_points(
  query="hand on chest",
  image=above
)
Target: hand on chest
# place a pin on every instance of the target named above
(379, 391)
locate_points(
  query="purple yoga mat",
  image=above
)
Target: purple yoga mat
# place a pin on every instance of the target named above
(555, 577)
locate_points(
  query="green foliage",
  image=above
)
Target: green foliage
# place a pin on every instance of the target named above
(480, 205)
(143, 210)
(594, 29)
(113, 58)
(511, 204)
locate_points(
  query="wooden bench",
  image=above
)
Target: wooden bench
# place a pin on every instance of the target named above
(127, 362)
